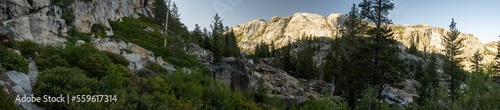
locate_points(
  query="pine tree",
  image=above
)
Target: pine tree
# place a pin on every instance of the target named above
(347, 59)
(476, 62)
(217, 43)
(231, 49)
(160, 11)
(305, 66)
(383, 61)
(206, 39)
(453, 48)
(197, 35)
(429, 80)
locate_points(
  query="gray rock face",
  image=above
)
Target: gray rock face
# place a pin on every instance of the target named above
(20, 80)
(282, 30)
(40, 21)
(401, 97)
(233, 73)
(41, 26)
(279, 82)
(100, 11)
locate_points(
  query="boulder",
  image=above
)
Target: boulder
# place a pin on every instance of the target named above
(233, 73)
(400, 97)
(134, 48)
(166, 65)
(79, 42)
(21, 81)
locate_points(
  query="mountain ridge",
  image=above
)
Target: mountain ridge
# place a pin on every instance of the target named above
(281, 30)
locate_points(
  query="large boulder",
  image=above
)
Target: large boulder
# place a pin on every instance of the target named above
(401, 96)
(21, 82)
(232, 72)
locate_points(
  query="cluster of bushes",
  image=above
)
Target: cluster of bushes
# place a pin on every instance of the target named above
(12, 61)
(132, 30)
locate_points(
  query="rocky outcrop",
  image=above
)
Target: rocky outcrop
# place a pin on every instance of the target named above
(401, 96)
(282, 30)
(92, 12)
(138, 56)
(40, 20)
(282, 84)
(233, 73)
(205, 56)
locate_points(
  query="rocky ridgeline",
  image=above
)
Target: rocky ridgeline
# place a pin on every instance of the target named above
(281, 30)
(40, 20)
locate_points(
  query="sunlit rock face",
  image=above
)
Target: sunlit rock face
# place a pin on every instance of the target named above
(281, 30)
(40, 20)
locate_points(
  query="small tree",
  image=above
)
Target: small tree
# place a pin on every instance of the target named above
(476, 62)
(453, 48)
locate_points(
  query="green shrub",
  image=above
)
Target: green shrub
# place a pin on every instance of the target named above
(13, 61)
(117, 59)
(157, 68)
(114, 81)
(95, 65)
(74, 35)
(46, 61)
(68, 15)
(99, 28)
(63, 80)
(73, 53)
(6, 101)
(146, 73)
(27, 48)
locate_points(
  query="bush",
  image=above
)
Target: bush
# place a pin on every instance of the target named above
(157, 68)
(46, 61)
(6, 101)
(95, 65)
(146, 73)
(73, 53)
(27, 48)
(98, 28)
(117, 59)
(13, 61)
(74, 35)
(63, 80)
(50, 57)
(68, 16)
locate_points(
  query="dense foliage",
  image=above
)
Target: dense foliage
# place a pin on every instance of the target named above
(13, 61)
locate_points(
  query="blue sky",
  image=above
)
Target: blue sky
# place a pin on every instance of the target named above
(478, 17)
